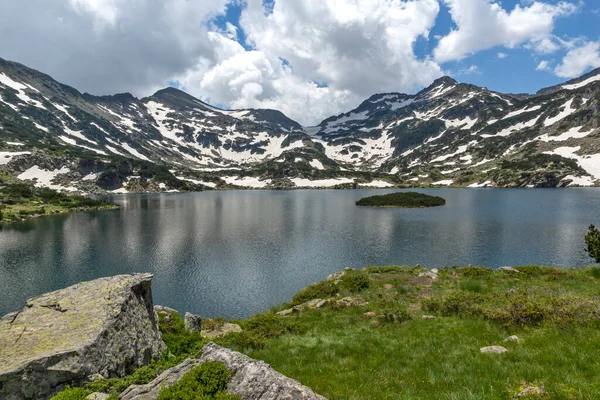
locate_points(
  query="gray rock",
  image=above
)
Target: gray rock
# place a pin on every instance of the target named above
(192, 322)
(106, 326)
(169, 310)
(97, 396)
(221, 330)
(509, 269)
(251, 379)
(513, 338)
(429, 274)
(531, 391)
(428, 317)
(493, 350)
(289, 311)
(352, 301)
(314, 304)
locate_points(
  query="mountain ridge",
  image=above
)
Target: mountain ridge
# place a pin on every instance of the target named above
(448, 134)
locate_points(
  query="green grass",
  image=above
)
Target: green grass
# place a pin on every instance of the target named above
(385, 350)
(344, 354)
(402, 199)
(20, 201)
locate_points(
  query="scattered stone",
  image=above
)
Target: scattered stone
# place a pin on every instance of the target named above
(315, 304)
(106, 326)
(369, 314)
(509, 269)
(513, 338)
(428, 317)
(351, 301)
(192, 322)
(429, 274)
(96, 378)
(493, 350)
(435, 271)
(388, 286)
(168, 310)
(221, 330)
(251, 379)
(289, 311)
(98, 396)
(531, 391)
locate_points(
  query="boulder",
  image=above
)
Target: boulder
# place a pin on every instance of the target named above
(251, 379)
(315, 304)
(289, 311)
(192, 322)
(428, 317)
(493, 350)
(106, 326)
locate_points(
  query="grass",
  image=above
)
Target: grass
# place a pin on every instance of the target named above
(402, 199)
(345, 353)
(385, 350)
(20, 201)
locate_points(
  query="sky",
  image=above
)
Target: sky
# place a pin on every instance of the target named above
(307, 58)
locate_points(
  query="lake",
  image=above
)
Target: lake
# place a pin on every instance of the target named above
(236, 253)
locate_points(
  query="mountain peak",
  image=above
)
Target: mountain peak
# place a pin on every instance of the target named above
(444, 80)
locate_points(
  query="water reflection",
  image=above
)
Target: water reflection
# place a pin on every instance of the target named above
(237, 253)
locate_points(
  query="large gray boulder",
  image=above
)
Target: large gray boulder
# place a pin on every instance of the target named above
(251, 379)
(106, 326)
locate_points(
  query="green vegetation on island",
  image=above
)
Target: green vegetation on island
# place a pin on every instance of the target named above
(19, 201)
(403, 200)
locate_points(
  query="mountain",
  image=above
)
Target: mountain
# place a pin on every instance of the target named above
(449, 133)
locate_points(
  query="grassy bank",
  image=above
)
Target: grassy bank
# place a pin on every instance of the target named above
(19, 202)
(376, 344)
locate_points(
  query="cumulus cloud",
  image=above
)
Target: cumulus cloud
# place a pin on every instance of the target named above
(108, 46)
(315, 58)
(578, 60)
(482, 24)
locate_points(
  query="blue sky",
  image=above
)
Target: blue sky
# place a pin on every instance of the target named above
(307, 58)
(514, 71)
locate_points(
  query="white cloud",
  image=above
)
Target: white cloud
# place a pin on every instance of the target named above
(578, 60)
(502, 55)
(543, 66)
(109, 46)
(473, 69)
(483, 24)
(356, 48)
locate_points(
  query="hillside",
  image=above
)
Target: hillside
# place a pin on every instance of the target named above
(449, 134)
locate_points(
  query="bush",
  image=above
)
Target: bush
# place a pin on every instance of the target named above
(592, 243)
(595, 271)
(180, 342)
(320, 290)
(473, 272)
(207, 381)
(72, 394)
(355, 281)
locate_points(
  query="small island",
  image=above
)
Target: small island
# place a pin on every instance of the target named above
(402, 200)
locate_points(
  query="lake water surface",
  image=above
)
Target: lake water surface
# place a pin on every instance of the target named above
(235, 253)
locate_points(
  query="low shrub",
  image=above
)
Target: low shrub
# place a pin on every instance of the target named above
(207, 381)
(471, 285)
(72, 394)
(473, 272)
(355, 281)
(320, 290)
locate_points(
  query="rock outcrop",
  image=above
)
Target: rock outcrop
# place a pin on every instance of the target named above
(193, 323)
(106, 326)
(251, 379)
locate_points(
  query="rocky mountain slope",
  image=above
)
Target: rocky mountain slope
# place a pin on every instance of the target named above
(448, 134)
